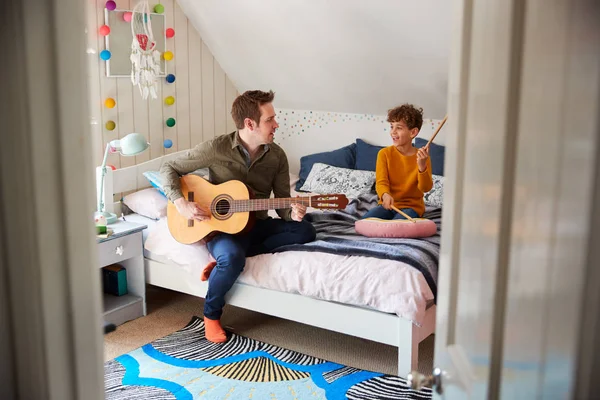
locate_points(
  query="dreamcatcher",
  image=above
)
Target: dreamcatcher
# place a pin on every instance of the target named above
(145, 58)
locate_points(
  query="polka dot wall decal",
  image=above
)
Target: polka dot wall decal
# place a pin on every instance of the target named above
(299, 122)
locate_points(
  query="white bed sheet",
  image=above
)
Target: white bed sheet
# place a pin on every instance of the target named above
(140, 219)
(384, 285)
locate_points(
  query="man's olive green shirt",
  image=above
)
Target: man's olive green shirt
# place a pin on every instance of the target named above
(227, 159)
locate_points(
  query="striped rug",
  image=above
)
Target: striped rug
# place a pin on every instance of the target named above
(185, 366)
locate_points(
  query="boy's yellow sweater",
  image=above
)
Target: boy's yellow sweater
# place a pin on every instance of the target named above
(399, 176)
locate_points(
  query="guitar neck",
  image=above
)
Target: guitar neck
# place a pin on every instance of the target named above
(267, 204)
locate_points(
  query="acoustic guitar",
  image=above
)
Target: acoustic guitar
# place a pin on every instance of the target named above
(231, 208)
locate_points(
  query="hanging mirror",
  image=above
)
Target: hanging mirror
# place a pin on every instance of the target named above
(118, 42)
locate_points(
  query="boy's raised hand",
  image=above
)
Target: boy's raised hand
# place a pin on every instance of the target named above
(422, 156)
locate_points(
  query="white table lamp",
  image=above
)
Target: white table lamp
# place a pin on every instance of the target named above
(131, 145)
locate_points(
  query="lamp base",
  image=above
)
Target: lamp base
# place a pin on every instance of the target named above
(111, 218)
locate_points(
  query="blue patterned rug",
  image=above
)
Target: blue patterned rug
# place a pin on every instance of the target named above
(185, 366)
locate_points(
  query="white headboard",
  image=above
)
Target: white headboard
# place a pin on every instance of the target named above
(300, 133)
(130, 178)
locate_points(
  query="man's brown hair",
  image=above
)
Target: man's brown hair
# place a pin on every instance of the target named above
(247, 105)
(411, 115)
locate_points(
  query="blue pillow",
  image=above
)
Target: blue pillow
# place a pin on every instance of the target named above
(155, 180)
(436, 153)
(343, 158)
(366, 155)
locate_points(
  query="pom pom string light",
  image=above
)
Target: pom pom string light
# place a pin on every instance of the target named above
(104, 30)
(110, 102)
(105, 55)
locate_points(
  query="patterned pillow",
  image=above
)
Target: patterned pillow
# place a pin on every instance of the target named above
(344, 158)
(435, 196)
(326, 179)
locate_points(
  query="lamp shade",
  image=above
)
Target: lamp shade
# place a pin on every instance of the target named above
(131, 145)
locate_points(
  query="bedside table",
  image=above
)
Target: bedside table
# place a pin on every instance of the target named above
(124, 247)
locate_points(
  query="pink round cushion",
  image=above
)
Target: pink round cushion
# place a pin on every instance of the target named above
(396, 228)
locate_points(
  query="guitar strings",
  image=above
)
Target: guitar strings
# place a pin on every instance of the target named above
(234, 206)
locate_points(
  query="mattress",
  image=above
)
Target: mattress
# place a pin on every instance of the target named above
(384, 285)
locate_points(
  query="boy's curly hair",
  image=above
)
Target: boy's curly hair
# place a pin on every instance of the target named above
(411, 115)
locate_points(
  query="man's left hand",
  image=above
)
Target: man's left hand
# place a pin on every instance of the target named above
(298, 212)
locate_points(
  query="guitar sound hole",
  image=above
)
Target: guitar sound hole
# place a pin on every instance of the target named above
(222, 207)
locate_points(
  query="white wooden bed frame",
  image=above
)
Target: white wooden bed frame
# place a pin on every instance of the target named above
(352, 320)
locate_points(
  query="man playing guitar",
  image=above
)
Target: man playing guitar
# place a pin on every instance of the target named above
(250, 156)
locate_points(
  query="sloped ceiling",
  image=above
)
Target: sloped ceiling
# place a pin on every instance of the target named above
(353, 56)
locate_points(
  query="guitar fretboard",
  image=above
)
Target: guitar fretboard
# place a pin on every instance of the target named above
(267, 204)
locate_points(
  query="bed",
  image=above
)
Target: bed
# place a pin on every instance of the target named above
(393, 301)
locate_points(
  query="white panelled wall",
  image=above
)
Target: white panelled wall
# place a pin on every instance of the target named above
(203, 93)
(203, 96)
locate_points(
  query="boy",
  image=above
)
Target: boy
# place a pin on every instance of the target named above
(403, 173)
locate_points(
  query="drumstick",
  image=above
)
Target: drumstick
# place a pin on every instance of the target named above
(403, 214)
(437, 130)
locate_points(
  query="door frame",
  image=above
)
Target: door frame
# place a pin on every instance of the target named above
(587, 371)
(47, 246)
(567, 72)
